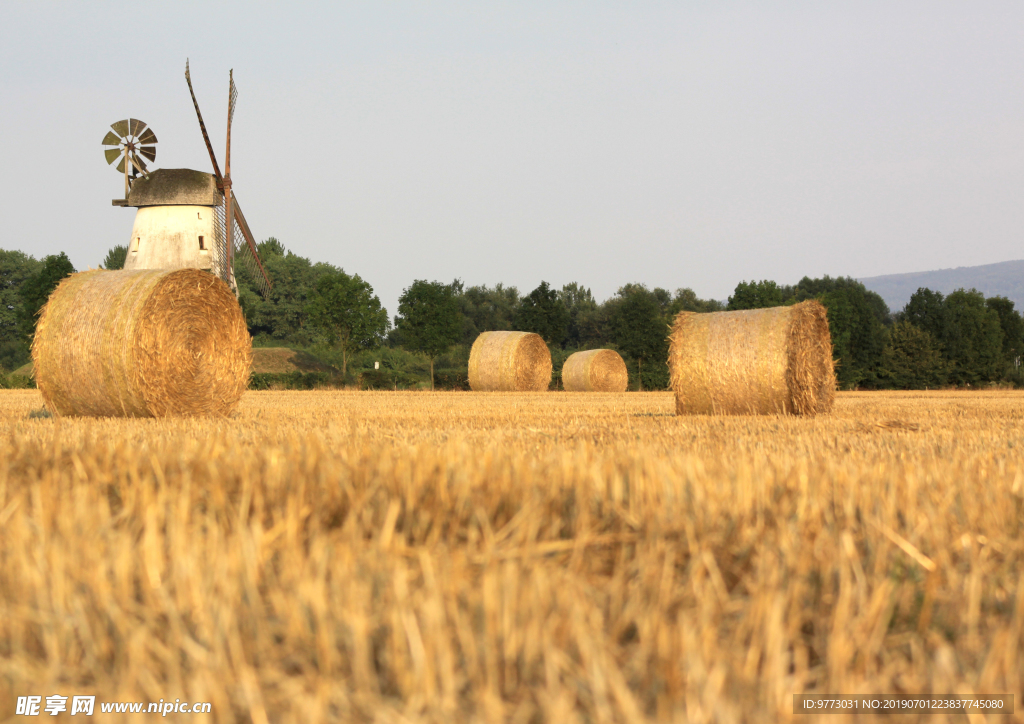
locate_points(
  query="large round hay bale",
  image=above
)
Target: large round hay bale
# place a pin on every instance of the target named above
(596, 370)
(142, 343)
(509, 362)
(753, 362)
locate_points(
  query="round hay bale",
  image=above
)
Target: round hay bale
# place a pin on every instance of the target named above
(753, 362)
(509, 362)
(596, 370)
(142, 343)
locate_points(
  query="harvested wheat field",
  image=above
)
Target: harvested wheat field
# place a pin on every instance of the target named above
(421, 557)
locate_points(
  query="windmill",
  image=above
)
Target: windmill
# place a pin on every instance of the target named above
(185, 218)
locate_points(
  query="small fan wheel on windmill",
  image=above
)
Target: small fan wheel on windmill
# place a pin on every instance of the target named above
(132, 143)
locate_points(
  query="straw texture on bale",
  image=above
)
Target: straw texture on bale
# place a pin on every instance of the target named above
(142, 343)
(596, 370)
(509, 362)
(751, 362)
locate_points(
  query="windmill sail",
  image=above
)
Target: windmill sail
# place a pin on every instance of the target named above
(245, 251)
(235, 243)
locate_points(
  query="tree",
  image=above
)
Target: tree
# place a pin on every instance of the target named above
(639, 329)
(115, 258)
(346, 312)
(686, 300)
(858, 322)
(37, 288)
(486, 309)
(1013, 330)
(755, 295)
(912, 359)
(927, 310)
(664, 299)
(543, 312)
(280, 319)
(580, 304)
(16, 268)
(428, 318)
(973, 339)
(858, 332)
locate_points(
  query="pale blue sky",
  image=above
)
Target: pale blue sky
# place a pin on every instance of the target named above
(674, 144)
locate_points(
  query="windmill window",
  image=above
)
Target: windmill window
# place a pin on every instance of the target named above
(135, 244)
(202, 246)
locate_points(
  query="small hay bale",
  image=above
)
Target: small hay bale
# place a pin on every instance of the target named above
(596, 370)
(753, 362)
(142, 343)
(509, 362)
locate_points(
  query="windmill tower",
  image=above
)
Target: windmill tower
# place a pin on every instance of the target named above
(185, 218)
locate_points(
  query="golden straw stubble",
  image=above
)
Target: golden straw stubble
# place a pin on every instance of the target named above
(757, 361)
(595, 370)
(142, 343)
(509, 362)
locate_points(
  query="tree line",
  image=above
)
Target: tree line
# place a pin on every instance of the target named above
(437, 322)
(962, 339)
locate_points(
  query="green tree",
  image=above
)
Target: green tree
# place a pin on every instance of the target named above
(580, 304)
(543, 312)
(281, 319)
(115, 258)
(686, 300)
(755, 295)
(912, 360)
(16, 268)
(927, 310)
(1013, 331)
(346, 312)
(639, 329)
(858, 322)
(37, 288)
(973, 339)
(428, 319)
(664, 299)
(486, 309)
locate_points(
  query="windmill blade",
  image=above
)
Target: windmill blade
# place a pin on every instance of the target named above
(110, 140)
(148, 137)
(120, 128)
(232, 95)
(120, 166)
(136, 126)
(262, 279)
(202, 126)
(111, 155)
(149, 152)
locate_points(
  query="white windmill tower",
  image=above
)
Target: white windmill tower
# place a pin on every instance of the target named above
(183, 215)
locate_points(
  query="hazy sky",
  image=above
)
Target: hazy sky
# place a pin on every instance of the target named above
(675, 144)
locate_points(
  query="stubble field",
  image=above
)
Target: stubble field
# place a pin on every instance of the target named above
(556, 557)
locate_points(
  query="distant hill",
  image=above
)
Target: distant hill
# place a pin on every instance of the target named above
(1004, 279)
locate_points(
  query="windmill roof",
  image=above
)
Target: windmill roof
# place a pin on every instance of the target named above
(175, 187)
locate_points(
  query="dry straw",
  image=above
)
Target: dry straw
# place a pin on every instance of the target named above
(758, 361)
(509, 362)
(596, 370)
(142, 343)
